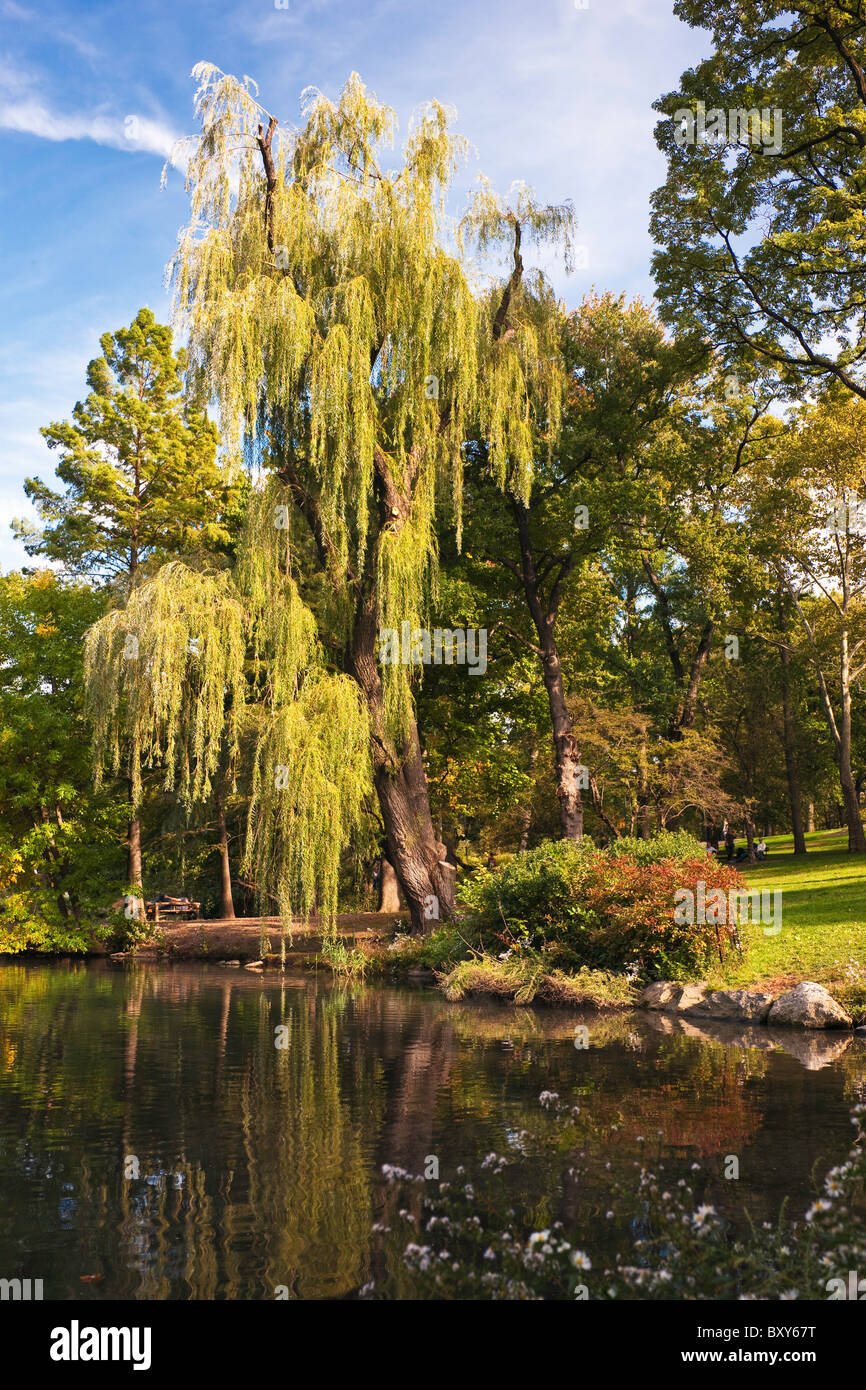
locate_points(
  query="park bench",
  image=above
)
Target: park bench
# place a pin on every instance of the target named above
(157, 908)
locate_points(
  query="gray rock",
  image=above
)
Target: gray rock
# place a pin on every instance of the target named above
(808, 1006)
(691, 998)
(660, 995)
(737, 1004)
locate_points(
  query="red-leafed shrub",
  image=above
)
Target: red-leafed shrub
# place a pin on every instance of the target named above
(578, 905)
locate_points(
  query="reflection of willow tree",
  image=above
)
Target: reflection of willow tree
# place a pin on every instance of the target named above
(308, 1179)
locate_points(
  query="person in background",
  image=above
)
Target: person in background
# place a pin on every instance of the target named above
(761, 848)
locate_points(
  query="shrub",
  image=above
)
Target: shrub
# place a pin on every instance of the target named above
(436, 949)
(668, 844)
(606, 909)
(533, 897)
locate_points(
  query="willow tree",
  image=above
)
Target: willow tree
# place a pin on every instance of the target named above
(351, 352)
(167, 679)
(165, 683)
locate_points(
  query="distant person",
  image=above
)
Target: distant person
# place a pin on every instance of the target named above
(761, 848)
(741, 855)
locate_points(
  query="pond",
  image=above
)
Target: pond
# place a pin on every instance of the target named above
(197, 1132)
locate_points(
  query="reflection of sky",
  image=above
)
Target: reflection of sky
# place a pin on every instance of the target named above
(554, 94)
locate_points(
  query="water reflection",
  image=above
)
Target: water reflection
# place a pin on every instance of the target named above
(156, 1142)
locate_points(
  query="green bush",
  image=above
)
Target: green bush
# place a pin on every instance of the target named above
(440, 947)
(533, 897)
(668, 844)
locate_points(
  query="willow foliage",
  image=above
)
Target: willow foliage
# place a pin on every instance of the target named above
(352, 352)
(310, 780)
(311, 775)
(324, 300)
(165, 680)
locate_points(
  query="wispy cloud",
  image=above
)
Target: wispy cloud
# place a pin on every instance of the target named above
(30, 116)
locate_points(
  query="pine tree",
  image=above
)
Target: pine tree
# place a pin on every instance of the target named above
(142, 480)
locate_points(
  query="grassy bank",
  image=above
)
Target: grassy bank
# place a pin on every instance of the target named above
(823, 934)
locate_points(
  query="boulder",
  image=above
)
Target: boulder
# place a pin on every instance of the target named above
(691, 999)
(808, 1006)
(660, 995)
(740, 1005)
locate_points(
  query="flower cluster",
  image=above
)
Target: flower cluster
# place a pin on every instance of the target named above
(681, 1247)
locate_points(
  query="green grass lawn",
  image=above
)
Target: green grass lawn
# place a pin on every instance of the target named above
(823, 934)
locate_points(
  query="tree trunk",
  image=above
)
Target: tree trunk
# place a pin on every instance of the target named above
(389, 888)
(810, 819)
(400, 779)
(525, 826)
(227, 907)
(686, 718)
(850, 800)
(568, 765)
(789, 742)
(133, 865)
(749, 828)
(643, 810)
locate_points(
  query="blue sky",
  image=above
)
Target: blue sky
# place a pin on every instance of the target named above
(547, 92)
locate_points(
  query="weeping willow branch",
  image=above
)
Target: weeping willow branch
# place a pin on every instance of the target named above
(165, 680)
(310, 780)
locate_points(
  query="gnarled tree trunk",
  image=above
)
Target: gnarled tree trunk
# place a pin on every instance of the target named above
(400, 779)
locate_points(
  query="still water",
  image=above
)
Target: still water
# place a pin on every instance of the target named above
(157, 1143)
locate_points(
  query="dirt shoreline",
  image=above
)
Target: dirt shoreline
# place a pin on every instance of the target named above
(240, 939)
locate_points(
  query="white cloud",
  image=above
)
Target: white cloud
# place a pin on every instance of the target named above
(133, 132)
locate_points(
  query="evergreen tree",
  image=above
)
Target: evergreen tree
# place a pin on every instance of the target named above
(142, 480)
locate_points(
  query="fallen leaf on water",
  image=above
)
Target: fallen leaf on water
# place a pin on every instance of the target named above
(90, 1278)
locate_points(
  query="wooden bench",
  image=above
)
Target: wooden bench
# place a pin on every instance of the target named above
(171, 907)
